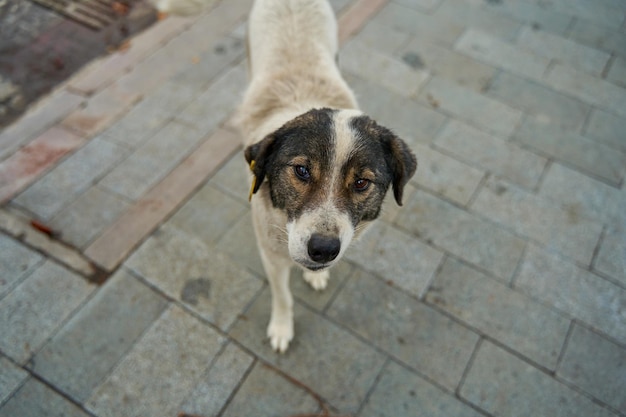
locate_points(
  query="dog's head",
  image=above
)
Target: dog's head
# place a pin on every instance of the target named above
(329, 171)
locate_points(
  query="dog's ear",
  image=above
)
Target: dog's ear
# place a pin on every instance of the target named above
(258, 156)
(400, 160)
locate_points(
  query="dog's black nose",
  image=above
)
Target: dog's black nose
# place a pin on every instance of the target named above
(323, 249)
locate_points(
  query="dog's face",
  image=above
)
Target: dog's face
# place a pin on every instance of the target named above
(329, 170)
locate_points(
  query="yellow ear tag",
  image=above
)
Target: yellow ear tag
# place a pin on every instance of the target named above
(252, 165)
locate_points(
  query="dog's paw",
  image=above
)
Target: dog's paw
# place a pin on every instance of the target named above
(317, 280)
(280, 334)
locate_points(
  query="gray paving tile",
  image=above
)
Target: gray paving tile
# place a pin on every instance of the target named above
(417, 335)
(536, 99)
(611, 258)
(11, 377)
(598, 36)
(412, 121)
(596, 365)
(557, 228)
(503, 385)
(240, 243)
(161, 370)
(34, 399)
(320, 299)
(391, 73)
(607, 128)
(587, 88)
(232, 178)
(587, 12)
(444, 175)
(152, 161)
(465, 235)
(447, 63)
(209, 214)
(583, 153)
(265, 393)
(424, 5)
(405, 19)
(200, 276)
(396, 257)
(326, 358)
(79, 357)
(582, 196)
(218, 384)
(73, 176)
(465, 13)
(494, 51)
(563, 50)
(16, 262)
(524, 325)
(487, 113)
(37, 307)
(383, 38)
(532, 14)
(575, 291)
(402, 393)
(617, 72)
(88, 215)
(489, 152)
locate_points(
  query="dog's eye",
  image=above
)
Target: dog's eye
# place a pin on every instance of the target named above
(361, 184)
(302, 172)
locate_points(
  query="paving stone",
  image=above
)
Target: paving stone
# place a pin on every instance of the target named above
(588, 88)
(233, 178)
(240, 244)
(218, 384)
(152, 161)
(557, 228)
(319, 350)
(463, 104)
(35, 399)
(587, 155)
(319, 300)
(396, 257)
(382, 38)
(423, 5)
(465, 13)
(575, 291)
(11, 377)
(88, 215)
(214, 105)
(412, 121)
(493, 51)
(392, 74)
(420, 337)
(501, 157)
(563, 50)
(587, 11)
(209, 214)
(524, 325)
(444, 175)
(607, 128)
(617, 72)
(37, 307)
(532, 14)
(405, 19)
(582, 196)
(598, 36)
(69, 179)
(390, 209)
(596, 365)
(80, 356)
(160, 370)
(38, 119)
(16, 262)
(266, 393)
(399, 392)
(465, 235)
(536, 99)
(611, 258)
(447, 64)
(30, 162)
(198, 275)
(495, 375)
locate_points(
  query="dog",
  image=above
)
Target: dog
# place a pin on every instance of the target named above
(320, 167)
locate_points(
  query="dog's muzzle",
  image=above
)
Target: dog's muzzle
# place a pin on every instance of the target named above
(323, 249)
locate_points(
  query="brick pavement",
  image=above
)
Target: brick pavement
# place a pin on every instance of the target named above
(499, 289)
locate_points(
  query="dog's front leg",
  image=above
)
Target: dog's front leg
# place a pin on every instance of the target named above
(280, 329)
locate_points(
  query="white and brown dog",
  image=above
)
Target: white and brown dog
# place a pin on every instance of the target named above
(320, 167)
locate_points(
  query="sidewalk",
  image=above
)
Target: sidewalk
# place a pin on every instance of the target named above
(499, 289)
